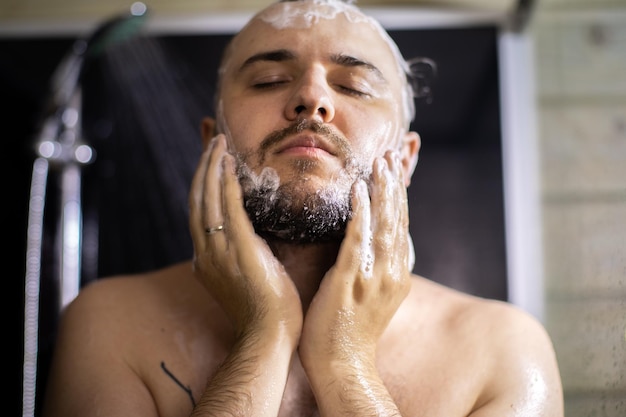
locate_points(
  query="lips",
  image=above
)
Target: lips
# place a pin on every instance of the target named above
(306, 141)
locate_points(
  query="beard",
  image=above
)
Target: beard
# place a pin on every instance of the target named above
(291, 211)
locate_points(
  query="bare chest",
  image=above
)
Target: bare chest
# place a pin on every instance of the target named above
(177, 387)
(422, 376)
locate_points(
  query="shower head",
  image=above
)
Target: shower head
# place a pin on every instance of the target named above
(65, 81)
(113, 31)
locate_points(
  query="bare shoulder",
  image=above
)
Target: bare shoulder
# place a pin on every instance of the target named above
(476, 318)
(504, 352)
(121, 340)
(157, 289)
(136, 313)
(479, 317)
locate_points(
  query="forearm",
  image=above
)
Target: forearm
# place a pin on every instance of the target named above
(250, 381)
(353, 390)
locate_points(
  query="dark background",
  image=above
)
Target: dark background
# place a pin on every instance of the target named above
(143, 121)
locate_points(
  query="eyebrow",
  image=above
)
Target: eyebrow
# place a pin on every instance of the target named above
(350, 61)
(282, 55)
(279, 55)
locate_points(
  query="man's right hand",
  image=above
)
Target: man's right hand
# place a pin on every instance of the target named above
(234, 264)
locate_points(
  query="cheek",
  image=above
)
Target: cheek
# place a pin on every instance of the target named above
(372, 139)
(245, 128)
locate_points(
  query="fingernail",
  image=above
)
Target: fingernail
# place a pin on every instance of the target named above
(382, 165)
(228, 163)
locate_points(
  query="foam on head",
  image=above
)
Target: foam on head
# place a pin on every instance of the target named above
(300, 14)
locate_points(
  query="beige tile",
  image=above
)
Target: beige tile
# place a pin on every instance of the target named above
(599, 404)
(581, 56)
(589, 339)
(585, 249)
(583, 148)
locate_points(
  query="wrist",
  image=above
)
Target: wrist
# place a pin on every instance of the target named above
(269, 333)
(342, 366)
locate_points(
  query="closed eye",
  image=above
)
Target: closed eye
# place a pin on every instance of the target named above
(267, 84)
(352, 91)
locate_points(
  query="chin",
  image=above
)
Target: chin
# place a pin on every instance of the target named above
(300, 212)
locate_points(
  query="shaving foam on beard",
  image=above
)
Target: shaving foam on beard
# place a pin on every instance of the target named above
(267, 179)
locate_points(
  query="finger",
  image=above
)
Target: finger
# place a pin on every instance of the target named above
(395, 164)
(239, 225)
(196, 224)
(402, 209)
(396, 258)
(212, 204)
(384, 216)
(355, 255)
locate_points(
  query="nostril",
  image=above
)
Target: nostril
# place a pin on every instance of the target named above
(322, 111)
(300, 109)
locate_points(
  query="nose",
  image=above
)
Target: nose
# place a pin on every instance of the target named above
(311, 99)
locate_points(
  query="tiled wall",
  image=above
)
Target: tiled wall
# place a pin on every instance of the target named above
(580, 49)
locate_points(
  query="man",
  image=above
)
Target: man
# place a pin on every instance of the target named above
(299, 300)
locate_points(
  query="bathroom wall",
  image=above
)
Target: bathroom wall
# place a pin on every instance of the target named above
(580, 53)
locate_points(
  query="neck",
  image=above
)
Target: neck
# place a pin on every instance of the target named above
(306, 264)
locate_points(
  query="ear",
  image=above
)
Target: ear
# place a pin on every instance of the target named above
(208, 131)
(409, 154)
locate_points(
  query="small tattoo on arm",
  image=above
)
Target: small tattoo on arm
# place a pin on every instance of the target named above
(187, 389)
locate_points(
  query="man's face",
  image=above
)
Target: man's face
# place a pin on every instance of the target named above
(306, 108)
